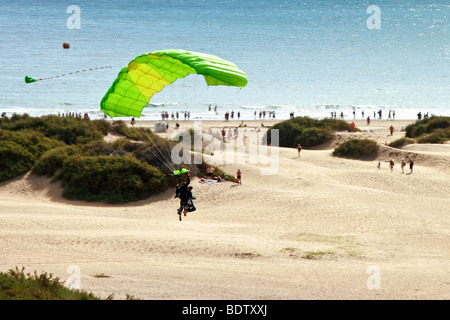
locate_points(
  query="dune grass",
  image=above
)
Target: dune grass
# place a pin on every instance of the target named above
(307, 131)
(15, 284)
(73, 151)
(430, 130)
(357, 149)
(18, 285)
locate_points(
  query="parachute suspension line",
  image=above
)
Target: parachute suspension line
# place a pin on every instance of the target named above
(161, 156)
(30, 79)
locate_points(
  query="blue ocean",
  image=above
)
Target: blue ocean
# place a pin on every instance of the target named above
(306, 57)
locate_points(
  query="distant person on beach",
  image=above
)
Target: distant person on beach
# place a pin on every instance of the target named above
(411, 165)
(239, 176)
(230, 134)
(391, 165)
(133, 121)
(402, 165)
(368, 120)
(210, 171)
(353, 125)
(391, 129)
(379, 165)
(299, 149)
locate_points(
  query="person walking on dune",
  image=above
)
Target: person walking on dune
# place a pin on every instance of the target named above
(299, 149)
(239, 175)
(411, 165)
(391, 165)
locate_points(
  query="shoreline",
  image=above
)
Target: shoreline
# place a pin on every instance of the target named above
(258, 123)
(377, 130)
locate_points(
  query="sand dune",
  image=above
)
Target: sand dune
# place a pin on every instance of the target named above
(314, 230)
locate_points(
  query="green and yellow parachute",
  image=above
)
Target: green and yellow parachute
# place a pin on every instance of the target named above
(149, 73)
(178, 172)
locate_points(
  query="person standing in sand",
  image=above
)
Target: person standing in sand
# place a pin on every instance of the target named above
(391, 165)
(391, 129)
(239, 176)
(402, 165)
(299, 149)
(411, 165)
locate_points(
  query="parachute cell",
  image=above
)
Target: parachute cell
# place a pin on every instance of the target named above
(149, 73)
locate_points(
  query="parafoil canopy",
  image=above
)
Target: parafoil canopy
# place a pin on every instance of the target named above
(178, 172)
(149, 73)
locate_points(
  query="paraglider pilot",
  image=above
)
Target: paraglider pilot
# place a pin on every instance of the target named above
(184, 192)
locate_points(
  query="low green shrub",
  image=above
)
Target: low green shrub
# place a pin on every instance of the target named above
(53, 160)
(430, 130)
(96, 148)
(401, 142)
(357, 149)
(18, 285)
(16, 160)
(436, 136)
(70, 130)
(306, 131)
(115, 179)
(20, 150)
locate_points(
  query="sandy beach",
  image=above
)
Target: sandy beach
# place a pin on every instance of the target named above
(320, 228)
